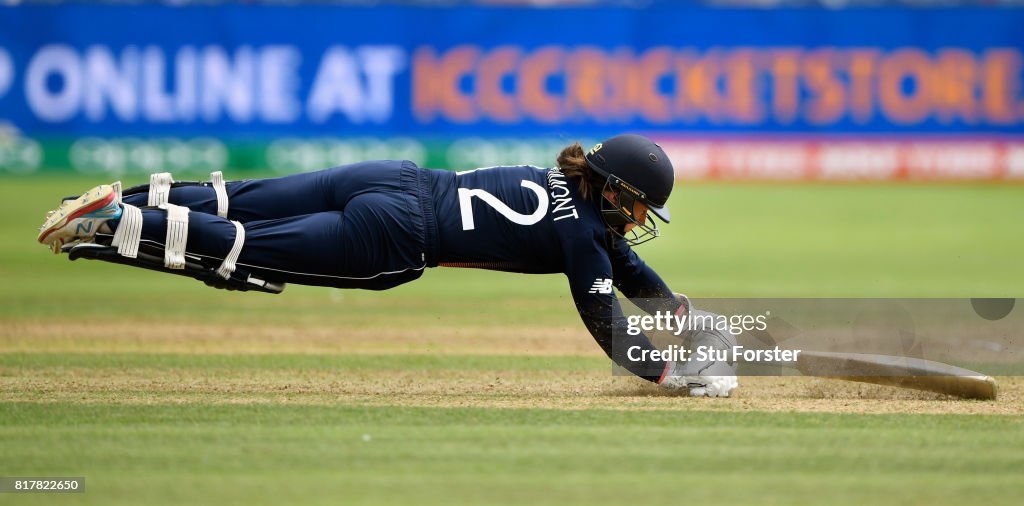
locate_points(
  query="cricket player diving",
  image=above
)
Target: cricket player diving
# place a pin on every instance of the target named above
(377, 224)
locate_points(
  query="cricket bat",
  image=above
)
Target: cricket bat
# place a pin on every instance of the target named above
(903, 372)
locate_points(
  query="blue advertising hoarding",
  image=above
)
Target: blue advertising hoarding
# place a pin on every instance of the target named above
(257, 73)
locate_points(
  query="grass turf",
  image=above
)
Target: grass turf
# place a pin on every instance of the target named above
(728, 240)
(354, 455)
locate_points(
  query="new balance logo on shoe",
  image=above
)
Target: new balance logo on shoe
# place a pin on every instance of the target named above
(84, 227)
(601, 285)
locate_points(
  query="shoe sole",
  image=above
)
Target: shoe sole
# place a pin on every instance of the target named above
(87, 203)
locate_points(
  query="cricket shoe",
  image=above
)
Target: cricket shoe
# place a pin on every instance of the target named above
(79, 219)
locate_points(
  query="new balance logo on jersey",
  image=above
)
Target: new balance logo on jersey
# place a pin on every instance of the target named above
(601, 286)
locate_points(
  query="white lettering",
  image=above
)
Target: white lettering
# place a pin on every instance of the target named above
(228, 86)
(6, 72)
(631, 323)
(631, 357)
(107, 82)
(338, 87)
(60, 63)
(381, 64)
(278, 84)
(570, 215)
(210, 84)
(185, 82)
(466, 205)
(560, 196)
(776, 354)
(157, 104)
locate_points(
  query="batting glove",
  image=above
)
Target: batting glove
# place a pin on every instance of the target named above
(717, 380)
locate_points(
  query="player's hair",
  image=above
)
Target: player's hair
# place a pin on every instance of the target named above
(574, 165)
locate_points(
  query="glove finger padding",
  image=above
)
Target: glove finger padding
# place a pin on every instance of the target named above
(704, 374)
(719, 380)
(700, 386)
(716, 378)
(717, 386)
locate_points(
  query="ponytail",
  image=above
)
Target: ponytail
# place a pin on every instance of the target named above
(573, 163)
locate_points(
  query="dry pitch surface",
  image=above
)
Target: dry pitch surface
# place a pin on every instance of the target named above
(534, 368)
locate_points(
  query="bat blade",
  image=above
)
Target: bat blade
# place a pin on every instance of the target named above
(903, 372)
(966, 387)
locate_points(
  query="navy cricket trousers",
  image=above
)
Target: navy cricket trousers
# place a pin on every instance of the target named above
(366, 225)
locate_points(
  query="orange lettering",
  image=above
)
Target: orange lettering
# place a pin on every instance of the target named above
(684, 109)
(533, 90)
(585, 83)
(436, 84)
(1001, 85)
(862, 79)
(654, 106)
(784, 66)
(459, 63)
(494, 67)
(619, 79)
(954, 86)
(426, 94)
(899, 104)
(699, 85)
(742, 88)
(828, 100)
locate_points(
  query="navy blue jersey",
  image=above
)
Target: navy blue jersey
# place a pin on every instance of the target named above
(377, 224)
(533, 220)
(507, 218)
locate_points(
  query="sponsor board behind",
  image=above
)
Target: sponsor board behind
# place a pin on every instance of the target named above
(879, 95)
(756, 159)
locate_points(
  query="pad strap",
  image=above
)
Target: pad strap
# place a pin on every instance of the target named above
(217, 179)
(228, 266)
(129, 231)
(160, 188)
(177, 236)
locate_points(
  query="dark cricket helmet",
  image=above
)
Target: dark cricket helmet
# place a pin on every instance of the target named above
(636, 170)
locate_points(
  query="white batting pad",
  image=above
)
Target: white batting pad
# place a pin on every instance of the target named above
(177, 236)
(129, 232)
(228, 265)
(217, 178)
(160, 188)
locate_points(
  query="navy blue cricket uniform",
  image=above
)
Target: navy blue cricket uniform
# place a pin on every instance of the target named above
(375, 225)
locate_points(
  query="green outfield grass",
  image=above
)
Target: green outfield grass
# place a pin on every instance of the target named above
(274, 454)
(205, 396)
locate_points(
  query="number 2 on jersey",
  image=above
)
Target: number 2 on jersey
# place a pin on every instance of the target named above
(466, 205)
